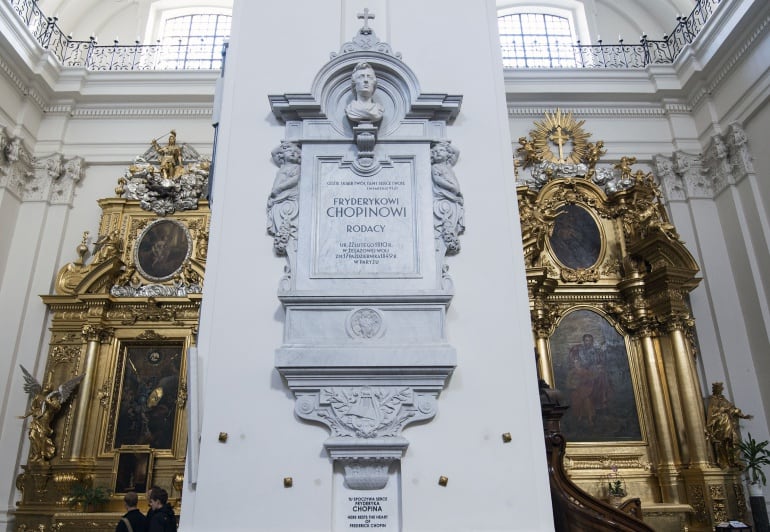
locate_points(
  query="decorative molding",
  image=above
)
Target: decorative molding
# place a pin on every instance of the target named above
(717, 79)
(135, 112)
(366, 412)
(51, 178)
(725, 162)
(519, 111)
(683, 176)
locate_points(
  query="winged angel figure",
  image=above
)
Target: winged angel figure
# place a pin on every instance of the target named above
(45, 404)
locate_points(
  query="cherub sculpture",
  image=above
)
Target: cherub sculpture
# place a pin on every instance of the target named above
(108, 246)
(46, 403)
(282, 203)
(448, 210)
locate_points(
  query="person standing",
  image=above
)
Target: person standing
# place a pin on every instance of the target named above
(133, 520)
(161, 516)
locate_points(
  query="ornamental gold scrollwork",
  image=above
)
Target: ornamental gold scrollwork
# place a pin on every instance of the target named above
(104, 394)
(697, 500)
(62, 354)
(537, 221)
(645, 214)
(718, 502)
(740, 499)
(181, 397)
(149, 334)
(91, 333)
(580, 276)
(544, 317)
(621, 311)
(152, 311)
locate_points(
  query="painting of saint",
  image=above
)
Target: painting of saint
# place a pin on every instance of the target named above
(591, 368)
(576, 240)
(133, 471)
(162, 249)
(147, 411)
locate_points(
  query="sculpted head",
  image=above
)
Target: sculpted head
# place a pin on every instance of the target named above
(717, 388)
(364, 81)
(286, 152)
(443, 152)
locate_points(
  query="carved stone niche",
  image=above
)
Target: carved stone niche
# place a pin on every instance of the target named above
(365, 207)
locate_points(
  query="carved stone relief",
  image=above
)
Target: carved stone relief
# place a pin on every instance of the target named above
(50, 178)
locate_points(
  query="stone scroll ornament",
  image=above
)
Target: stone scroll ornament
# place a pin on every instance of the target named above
(282, 206)
(448, 210)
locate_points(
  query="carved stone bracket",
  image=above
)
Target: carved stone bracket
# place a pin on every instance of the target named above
(366, 465)
(366, 412)
(366, 422)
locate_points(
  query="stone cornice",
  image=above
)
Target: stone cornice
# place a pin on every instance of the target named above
(127, 111)
(727, 67)
(591, 111)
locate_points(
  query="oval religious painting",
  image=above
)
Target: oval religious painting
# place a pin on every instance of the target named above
(576, 240)
(162, 249)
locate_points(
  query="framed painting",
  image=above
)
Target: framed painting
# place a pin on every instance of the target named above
(591, 367)
(162, 249)
(146, 411)
(132, 469)
(576, 240)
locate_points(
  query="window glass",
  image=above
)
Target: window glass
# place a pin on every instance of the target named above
(194, 41)
(536, 40)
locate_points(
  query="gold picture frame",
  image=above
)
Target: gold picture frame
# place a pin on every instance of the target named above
(132, 469)
(162, 249)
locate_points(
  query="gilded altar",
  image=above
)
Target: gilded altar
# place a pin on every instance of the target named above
(124, 315)
(609, 279)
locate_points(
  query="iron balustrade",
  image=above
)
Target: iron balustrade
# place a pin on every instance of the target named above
(93, 56)
(620, 55)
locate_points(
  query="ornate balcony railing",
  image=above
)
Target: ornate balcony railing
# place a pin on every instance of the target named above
(620, 55)
(93, 56)
(206, 56)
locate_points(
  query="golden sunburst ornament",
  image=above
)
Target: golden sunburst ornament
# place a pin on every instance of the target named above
(560, 138)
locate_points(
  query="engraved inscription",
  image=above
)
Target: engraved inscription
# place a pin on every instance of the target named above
(365, 226)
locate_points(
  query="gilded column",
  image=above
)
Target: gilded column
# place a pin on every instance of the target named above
(692, 402)
(667, 466)
(544, 317)
(93, 337)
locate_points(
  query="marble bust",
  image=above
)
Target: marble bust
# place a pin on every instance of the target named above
(363, 108)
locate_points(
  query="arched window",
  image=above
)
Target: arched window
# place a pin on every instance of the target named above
(536, 40)
(194, 41)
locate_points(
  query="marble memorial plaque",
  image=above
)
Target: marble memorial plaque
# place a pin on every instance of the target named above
(365, 225)
(377, 509)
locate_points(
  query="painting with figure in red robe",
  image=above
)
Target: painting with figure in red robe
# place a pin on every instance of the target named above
(591, 368)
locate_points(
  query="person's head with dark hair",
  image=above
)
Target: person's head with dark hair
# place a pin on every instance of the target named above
(131, 499)
(158, 495)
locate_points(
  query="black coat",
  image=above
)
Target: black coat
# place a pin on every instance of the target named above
(137, 520)
(162, 520)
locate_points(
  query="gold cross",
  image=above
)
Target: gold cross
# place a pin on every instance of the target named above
(560, 138)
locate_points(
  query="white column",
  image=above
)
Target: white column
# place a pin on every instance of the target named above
(492, 485)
